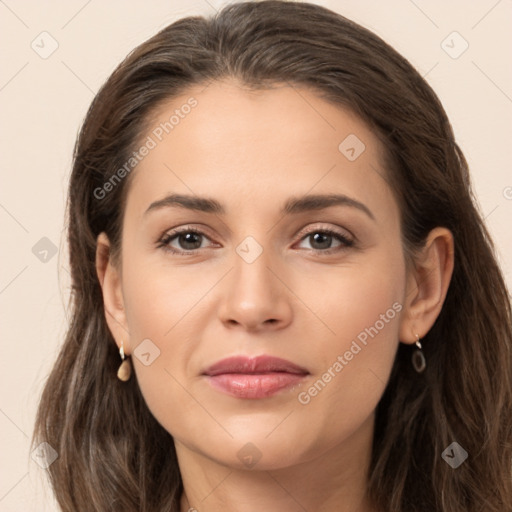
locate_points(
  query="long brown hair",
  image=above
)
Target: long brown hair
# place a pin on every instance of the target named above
(113, 454)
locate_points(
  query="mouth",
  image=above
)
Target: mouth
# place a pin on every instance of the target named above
(254, 378)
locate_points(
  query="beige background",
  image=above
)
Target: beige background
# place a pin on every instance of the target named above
(44, 100)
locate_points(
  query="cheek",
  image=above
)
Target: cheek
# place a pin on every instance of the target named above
(361, 302)
(159, 297)
(164, 310)
(158, 308)
(353, 364)
(157, 316)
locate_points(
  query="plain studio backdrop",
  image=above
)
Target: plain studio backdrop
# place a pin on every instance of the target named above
(55, 57)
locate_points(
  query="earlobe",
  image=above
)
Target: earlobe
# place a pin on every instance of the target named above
(428, 284)
(110, 282)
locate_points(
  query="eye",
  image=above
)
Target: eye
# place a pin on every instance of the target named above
(321, 240)
(188, 240)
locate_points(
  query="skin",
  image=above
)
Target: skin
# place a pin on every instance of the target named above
(252, 151)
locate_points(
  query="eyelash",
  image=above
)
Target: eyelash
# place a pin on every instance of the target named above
(163, 242)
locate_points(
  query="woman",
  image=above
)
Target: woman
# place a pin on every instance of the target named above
(216, 362)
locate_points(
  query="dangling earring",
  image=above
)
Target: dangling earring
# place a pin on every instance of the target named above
(418, 359)
(125, 369)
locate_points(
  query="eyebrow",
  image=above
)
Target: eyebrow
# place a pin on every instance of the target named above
(293, 205)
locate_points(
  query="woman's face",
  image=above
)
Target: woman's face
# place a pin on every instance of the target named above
(261, 278)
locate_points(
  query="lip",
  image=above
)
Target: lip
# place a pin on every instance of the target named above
(254, 377)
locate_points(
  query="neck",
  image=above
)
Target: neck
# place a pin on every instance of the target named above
(333, 481)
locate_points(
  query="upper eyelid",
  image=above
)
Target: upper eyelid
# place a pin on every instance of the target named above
(308, 230)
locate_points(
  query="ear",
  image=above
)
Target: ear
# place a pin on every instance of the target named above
(427, 285)
(109, 276)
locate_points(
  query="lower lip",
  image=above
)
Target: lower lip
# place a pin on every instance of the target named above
(261, 385)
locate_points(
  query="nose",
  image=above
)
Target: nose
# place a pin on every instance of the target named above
(256, 297)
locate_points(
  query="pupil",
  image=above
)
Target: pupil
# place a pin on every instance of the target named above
(326, 237)
(190, 241)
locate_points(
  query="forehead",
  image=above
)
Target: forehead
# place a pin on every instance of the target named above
(228, 141)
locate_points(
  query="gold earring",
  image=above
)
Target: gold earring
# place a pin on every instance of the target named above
(125, 369)
(418, 359)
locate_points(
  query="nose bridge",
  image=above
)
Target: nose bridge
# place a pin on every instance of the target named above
(254, 294)
(252, 275)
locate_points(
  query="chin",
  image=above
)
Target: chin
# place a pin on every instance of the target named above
(263, 449)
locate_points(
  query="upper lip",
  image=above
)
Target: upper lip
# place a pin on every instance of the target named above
(253, 365)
